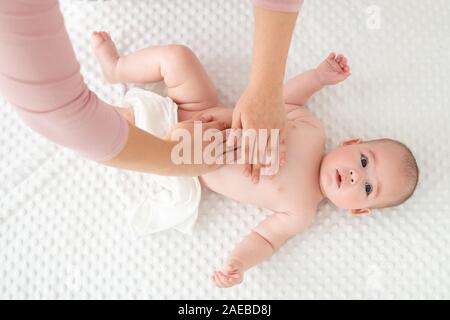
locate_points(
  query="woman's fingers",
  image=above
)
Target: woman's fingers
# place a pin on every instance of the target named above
(256, 156)
(282, 148)
(247, 154)
(213, 125)
(235, 125)
(256, 173)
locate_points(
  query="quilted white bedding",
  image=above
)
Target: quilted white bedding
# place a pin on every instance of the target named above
(63, 220)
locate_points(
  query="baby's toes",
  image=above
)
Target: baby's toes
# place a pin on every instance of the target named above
(97, 38)
(106, 35)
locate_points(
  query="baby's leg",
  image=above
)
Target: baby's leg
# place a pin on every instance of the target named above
(188, 84)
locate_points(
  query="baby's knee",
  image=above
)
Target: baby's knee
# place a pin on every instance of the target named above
(180, 53)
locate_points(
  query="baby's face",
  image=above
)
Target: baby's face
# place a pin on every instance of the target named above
(362, 175)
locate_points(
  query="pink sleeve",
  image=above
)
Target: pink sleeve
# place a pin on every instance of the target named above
(280, 5)
(40, 77)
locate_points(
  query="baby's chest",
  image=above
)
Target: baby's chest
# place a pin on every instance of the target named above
(295, 186)
(304, 138)
(298, 180)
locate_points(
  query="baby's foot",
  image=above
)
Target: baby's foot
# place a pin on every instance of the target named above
(333, 70)
(106, 53)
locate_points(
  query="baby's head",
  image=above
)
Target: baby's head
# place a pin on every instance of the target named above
(360, 176)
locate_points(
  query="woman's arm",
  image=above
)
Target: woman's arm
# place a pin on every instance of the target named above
(280, 5)
(147, 153)
(261, 105)
(40, 77)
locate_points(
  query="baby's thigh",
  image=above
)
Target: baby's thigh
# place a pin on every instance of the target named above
(222, 114)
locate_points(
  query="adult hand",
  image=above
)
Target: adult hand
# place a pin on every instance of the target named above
(260, 108)
(198, 160)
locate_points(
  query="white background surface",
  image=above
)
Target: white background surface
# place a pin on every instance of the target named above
(63, 226)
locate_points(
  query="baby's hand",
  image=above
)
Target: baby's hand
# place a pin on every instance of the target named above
(231, 274)
(333, 70)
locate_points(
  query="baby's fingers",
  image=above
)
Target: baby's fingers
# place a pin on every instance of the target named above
(231, 269)
(221, 280)
(215, 279)
(346, 73)
(343, 63)
(228, 280)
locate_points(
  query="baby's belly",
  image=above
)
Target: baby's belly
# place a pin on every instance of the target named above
(231, 182)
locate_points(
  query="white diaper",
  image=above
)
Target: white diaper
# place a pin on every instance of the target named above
(178, 207)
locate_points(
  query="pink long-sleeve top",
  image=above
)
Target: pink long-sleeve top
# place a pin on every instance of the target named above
(40, 77)
(280, 5)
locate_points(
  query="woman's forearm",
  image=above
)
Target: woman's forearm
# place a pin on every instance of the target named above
(280, 5)
(145, 153)
(40, 77)
(272, 38)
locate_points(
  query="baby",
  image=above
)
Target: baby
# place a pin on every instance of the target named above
(357, 175)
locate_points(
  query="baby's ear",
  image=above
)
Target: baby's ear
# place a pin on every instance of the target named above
(350, 142)
(359, 211)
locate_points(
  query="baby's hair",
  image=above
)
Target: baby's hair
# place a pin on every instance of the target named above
(411, 171)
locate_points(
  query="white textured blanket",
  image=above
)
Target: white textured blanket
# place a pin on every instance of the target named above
(63, 231)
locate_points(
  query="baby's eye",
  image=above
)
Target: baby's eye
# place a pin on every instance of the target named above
(368, 188)
(364, 161)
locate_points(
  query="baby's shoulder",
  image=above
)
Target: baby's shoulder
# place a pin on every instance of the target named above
(305, 212)
(303, 116)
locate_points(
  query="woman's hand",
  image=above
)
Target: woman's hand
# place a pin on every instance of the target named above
(260, 108)
(191, 160)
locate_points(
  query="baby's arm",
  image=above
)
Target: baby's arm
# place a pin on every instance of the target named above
(331, 71)
(259, 245)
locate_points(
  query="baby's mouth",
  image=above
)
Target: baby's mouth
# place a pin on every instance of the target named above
(338, 179)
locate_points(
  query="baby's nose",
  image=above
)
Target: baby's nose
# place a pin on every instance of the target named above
(353, 176)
